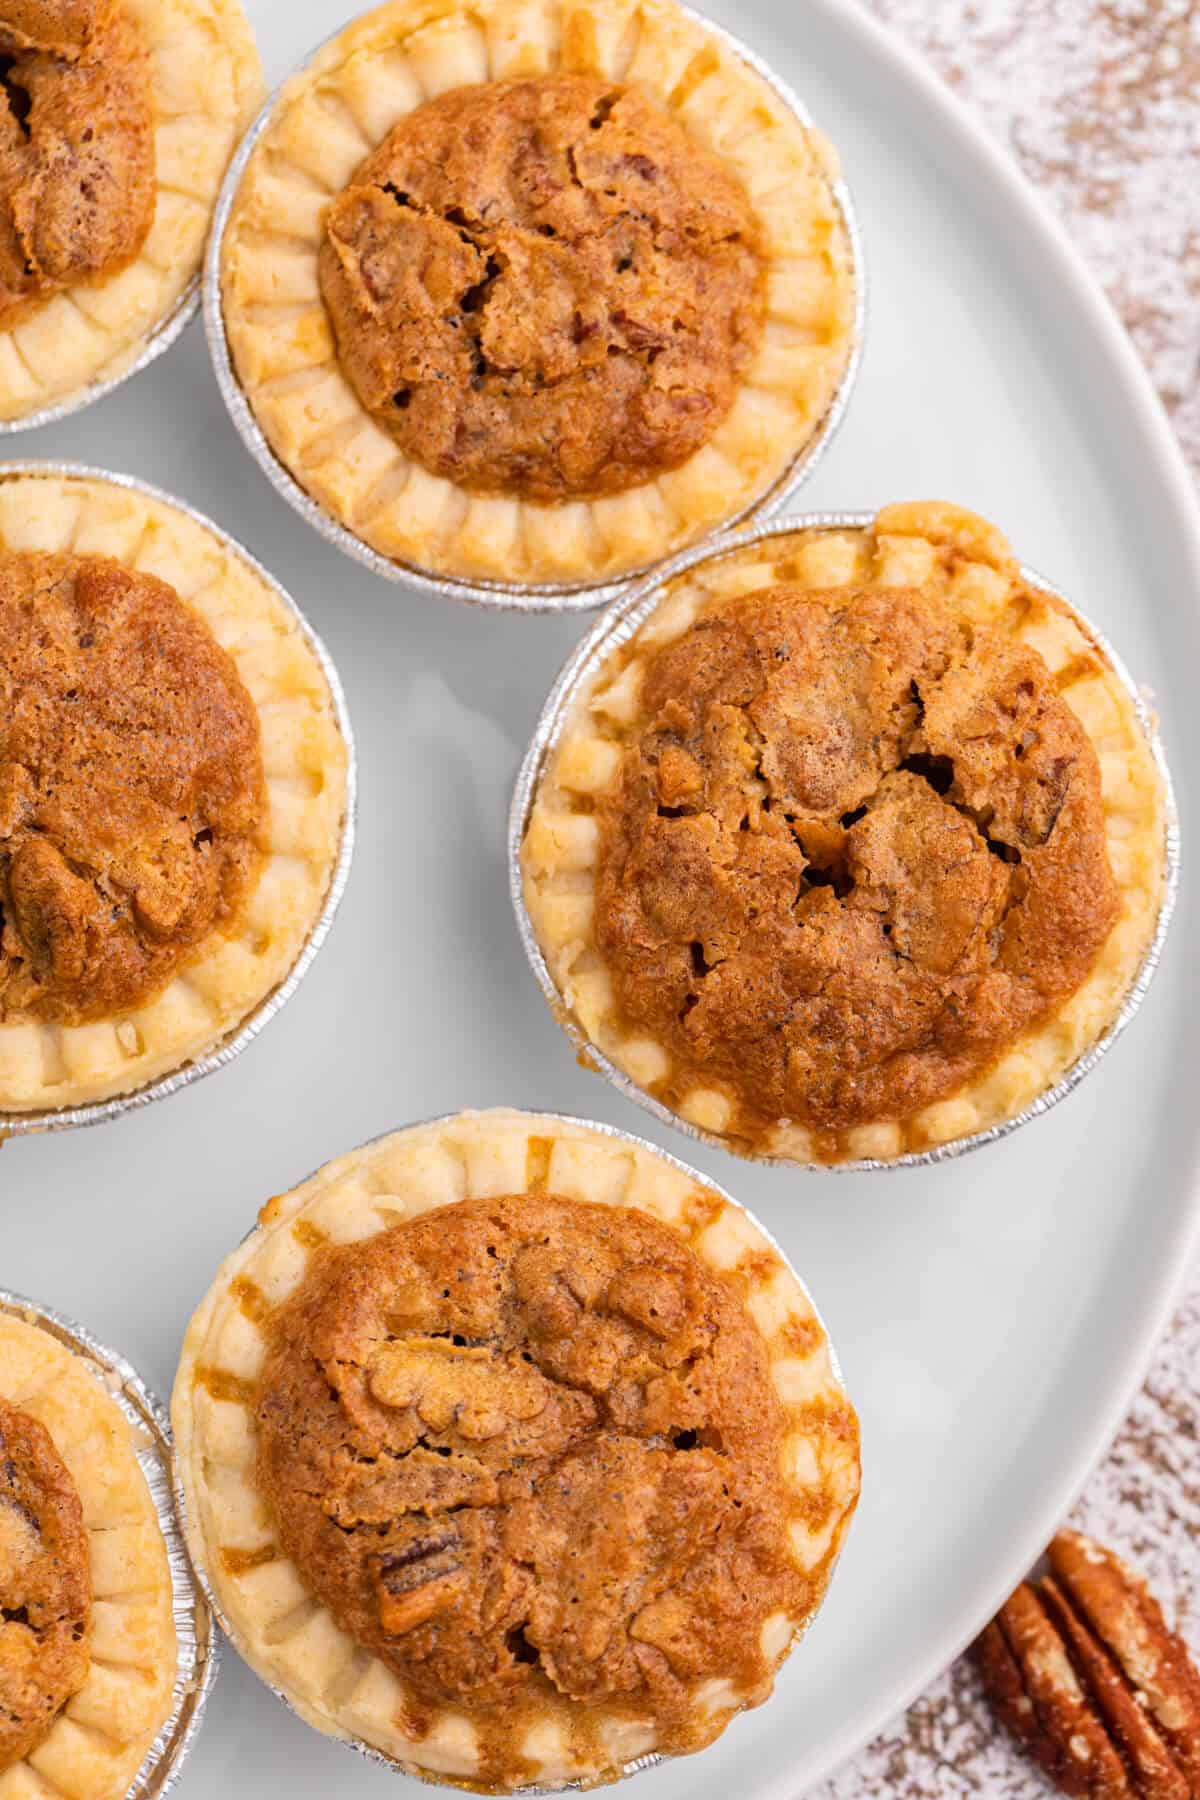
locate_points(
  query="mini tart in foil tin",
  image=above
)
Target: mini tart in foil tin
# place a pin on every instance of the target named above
(196, 1638)
(276, 362)
(259, 1595)
(82, 343)
(553, 838)
(53, 1077)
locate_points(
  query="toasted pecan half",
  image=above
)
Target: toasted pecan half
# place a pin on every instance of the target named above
(1082, 1668)
(1122, 1612)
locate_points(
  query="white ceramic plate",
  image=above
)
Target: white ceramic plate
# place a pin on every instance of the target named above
(994, 1315)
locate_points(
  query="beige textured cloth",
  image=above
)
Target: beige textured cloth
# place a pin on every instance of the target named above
(1100, 104)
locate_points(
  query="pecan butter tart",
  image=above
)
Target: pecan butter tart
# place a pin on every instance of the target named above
(854, 847)
(513, 1452)
(172, 790)
(536, 296)
(87, 1635)
(117, 118)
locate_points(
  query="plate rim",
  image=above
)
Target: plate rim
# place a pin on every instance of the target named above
(989, 162)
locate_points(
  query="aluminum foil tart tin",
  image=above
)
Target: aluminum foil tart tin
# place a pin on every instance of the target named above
(169, 327)
(529, 597)
(100, 1111)
(615, 628)
(195, 1627)
(654, 1757)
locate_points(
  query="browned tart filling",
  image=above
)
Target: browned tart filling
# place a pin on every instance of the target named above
(76, 147)
(543, 287)
(857, 851)
(45, 1586)
(530, 1447)
(131, 787)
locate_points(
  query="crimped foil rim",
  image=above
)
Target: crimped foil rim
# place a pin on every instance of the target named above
(504, 596)
(199, 1647)
(615, 628)
(157, 341)
(654, 1757)
(99, 1112)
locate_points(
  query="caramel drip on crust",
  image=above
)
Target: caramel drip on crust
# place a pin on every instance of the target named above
(1079, 668)
(45, 1586)
(243, 1562)
(802, 1336)
(77, 160)
(701, 1209)
(537, 1166)
(132, 795)
(224, 1386)
(250, 1298)
(528, 1451)
(755, 1268)
(308, 1235)
(855, 849)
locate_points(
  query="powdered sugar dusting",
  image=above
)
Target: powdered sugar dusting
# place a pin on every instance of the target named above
(1098, 101)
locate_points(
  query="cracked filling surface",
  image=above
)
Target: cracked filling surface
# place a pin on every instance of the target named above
(45, 1586)
(544, 287)
(529, 1448)
(76, 148)
(855, 851)
(131, 787)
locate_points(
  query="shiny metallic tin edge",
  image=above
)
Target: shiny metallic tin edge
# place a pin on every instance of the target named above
(199, 1649)
(654, 1757)
(614, 629)
(529, 597)
(161, 337)
(98, 1112)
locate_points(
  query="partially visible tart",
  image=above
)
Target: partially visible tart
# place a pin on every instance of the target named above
(513, 1452)
(117, 118)
(46, 1586)
(87, 1634)
(536, 295)
(76, 151)
(854, 847)
(173, 790)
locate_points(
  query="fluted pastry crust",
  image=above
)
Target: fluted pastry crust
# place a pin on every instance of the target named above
(334, 114)
(206, 82)
(918, 554)
(100, 1738)
(48, 1065)
(290, 1636)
